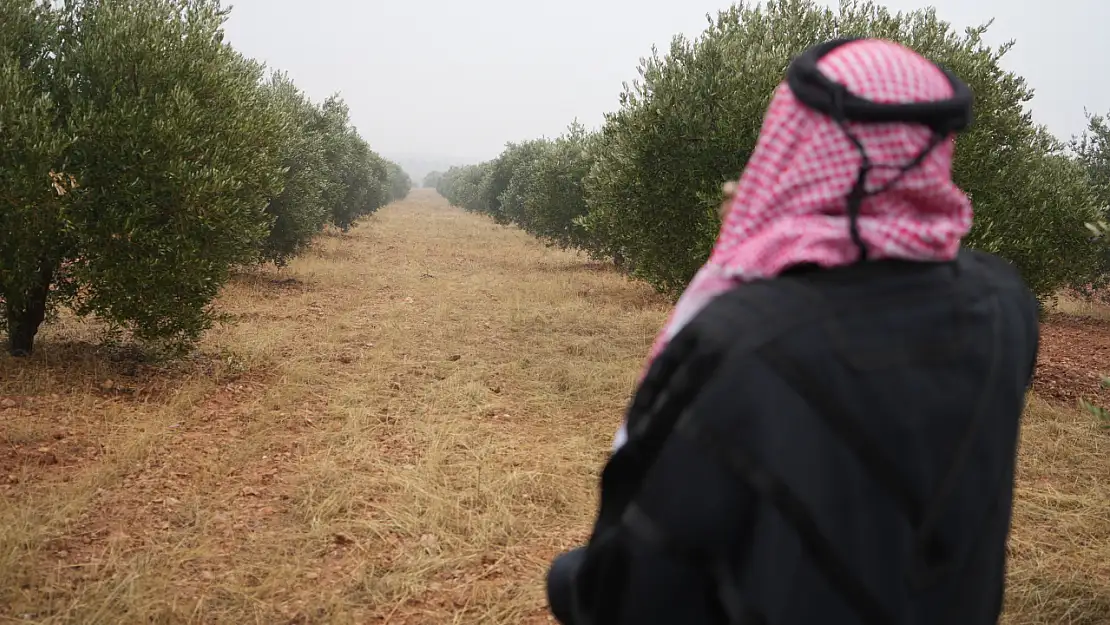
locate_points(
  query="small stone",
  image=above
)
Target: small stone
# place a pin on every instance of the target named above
(108, 385)
(455, 357)
(8, 402)
(312, 575)
(249, 491)
(207, 576)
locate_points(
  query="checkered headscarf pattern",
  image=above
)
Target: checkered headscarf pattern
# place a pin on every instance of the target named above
(790, 205)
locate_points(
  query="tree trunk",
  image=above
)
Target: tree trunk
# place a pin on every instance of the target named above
(24, 320)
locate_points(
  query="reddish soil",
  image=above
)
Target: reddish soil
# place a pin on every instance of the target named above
(1074, 357)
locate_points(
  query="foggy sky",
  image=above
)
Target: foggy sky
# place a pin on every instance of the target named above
(459, 78)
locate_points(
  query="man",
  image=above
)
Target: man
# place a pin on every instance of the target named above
(827, 429)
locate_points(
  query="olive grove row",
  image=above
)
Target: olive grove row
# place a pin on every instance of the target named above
(644, 189)
(143, 159)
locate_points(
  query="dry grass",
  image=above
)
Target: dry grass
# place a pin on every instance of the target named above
(1060, 545)
(1078, 307)
(402, 427)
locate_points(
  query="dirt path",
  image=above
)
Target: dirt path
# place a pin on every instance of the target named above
(403, 427)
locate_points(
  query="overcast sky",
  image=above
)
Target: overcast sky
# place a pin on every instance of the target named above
(459, 78)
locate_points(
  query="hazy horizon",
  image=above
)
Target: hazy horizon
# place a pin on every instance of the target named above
(451, 82)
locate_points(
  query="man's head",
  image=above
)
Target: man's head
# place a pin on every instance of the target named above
(792, 206)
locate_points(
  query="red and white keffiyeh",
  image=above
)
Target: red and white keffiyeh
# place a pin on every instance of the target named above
(790, 205)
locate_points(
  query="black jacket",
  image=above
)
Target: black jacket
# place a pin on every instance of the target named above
(831, 446)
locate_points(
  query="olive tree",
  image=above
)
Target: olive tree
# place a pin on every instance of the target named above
(1092, 149)
(35, 189)
(298, 211)
(358, 177)
(400, 183)
(380, 191)
(502, 188)
(465, 187)
(159, 137)
(546, 197)
(363, 178)
(1092, 152)
(692, 119)
(432, 180)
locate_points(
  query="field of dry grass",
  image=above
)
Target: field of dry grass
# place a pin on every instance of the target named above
(402, 426)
